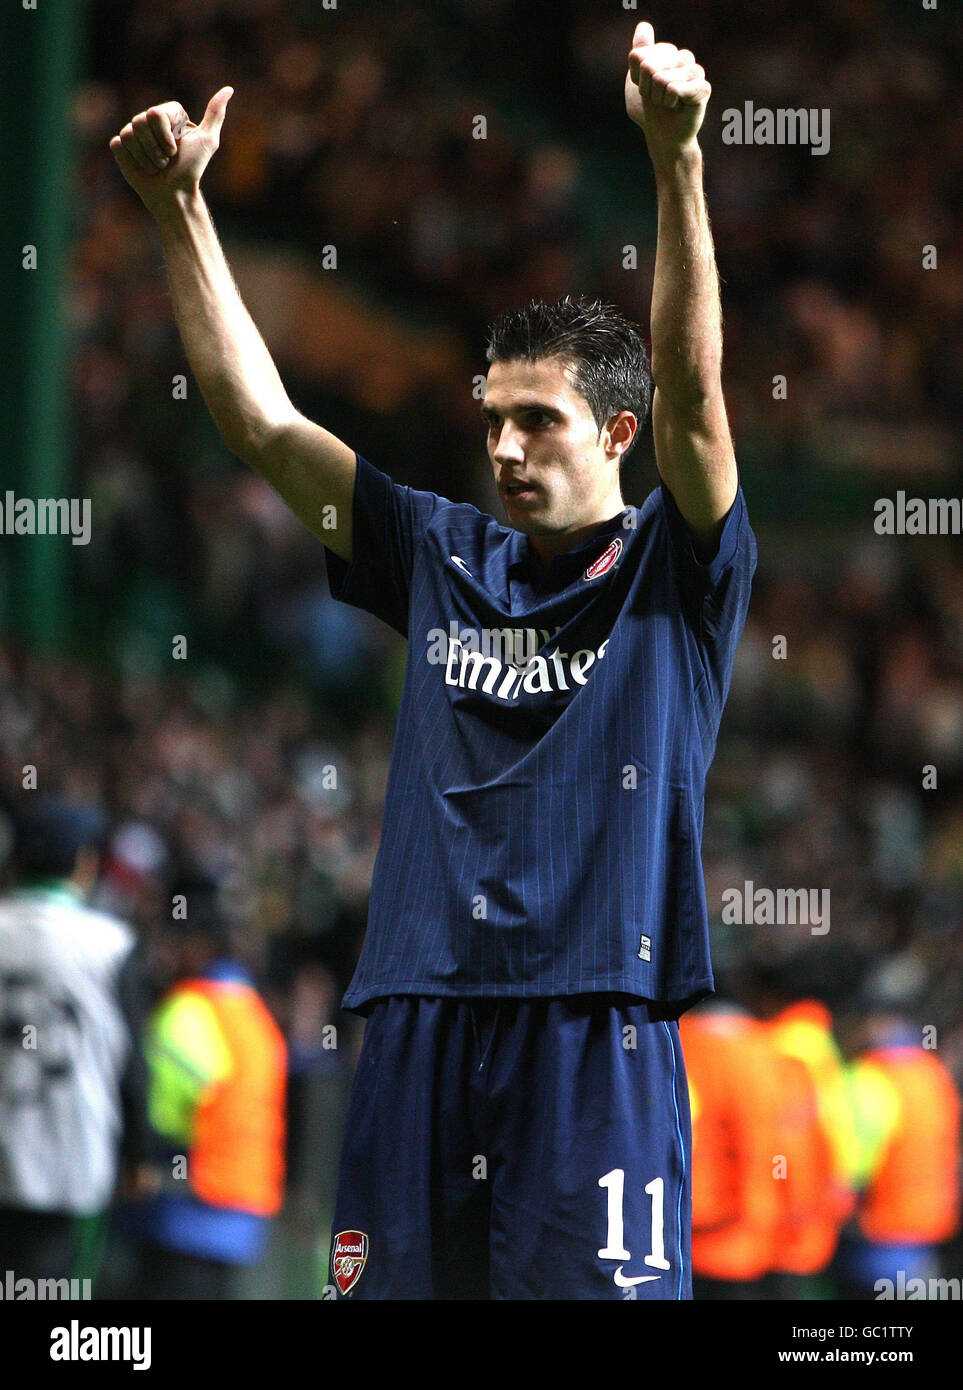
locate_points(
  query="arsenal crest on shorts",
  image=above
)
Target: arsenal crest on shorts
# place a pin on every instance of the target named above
(348, 1258)
(605, 561)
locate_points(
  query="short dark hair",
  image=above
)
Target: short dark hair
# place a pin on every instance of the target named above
(51, 831)
(606, 350)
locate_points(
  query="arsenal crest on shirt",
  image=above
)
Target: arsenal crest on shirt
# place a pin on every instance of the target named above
(605, 561)
(348, 1258)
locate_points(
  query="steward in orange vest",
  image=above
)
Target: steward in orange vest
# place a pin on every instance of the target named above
(809, 1223)
(736, 1100)
(237, 1150)
(218, 1074)
(913, 1195)
(819, 1138)
(908, 1119)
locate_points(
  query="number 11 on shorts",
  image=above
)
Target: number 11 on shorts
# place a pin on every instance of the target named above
(614, 1248)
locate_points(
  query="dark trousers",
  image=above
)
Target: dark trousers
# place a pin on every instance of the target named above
(37, 1244)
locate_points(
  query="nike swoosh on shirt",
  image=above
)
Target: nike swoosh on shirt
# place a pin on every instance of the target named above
(625, 1281)
(461, 565)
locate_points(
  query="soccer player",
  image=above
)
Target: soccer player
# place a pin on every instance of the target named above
(519, 1125)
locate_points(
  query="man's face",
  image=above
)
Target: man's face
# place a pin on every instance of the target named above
(553, 470)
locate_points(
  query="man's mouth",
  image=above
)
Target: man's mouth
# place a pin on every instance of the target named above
(518, 492)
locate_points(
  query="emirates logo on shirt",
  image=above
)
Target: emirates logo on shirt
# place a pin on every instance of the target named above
(606, 561)
(543, 674)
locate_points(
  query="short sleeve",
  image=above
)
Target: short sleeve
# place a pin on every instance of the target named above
(389, 524)
(715, 592)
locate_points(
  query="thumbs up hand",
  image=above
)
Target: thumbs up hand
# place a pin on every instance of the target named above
(162, 152)
(666, 93)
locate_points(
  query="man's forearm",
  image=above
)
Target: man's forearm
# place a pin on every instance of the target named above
(227, 354)
(686, 309)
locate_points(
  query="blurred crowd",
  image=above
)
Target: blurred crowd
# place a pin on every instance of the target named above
(261, 758)
(257, 795)
(352, 131)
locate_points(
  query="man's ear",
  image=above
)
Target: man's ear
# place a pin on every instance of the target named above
(622, 429)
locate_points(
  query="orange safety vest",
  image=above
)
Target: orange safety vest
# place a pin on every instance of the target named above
(914, 1197)
(805, 1030)
(237, 1159)
(810, 1220)
(736, 1205)
(817, 1200)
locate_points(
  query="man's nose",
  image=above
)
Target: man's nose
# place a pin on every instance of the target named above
(508, 446)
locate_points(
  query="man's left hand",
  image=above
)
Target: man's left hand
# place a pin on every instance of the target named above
(666, 93)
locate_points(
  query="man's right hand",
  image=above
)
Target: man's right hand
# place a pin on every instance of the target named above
(162, 152)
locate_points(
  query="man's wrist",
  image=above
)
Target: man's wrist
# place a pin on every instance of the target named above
(683, 162)
(172, 210)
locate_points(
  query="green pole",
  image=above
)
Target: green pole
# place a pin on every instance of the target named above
(40, 46)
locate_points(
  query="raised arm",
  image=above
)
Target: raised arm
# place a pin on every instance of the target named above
(162, 155)
(666, 95)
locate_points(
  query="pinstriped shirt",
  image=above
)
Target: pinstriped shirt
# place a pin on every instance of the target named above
(543, 819)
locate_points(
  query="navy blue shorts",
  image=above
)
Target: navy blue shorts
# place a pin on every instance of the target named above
(515, 1149)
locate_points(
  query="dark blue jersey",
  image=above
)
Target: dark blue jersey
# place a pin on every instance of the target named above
(543, 820)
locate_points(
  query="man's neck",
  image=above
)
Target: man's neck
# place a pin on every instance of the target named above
(549, 547)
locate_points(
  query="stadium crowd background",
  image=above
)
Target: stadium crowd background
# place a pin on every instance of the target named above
(352, 128)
